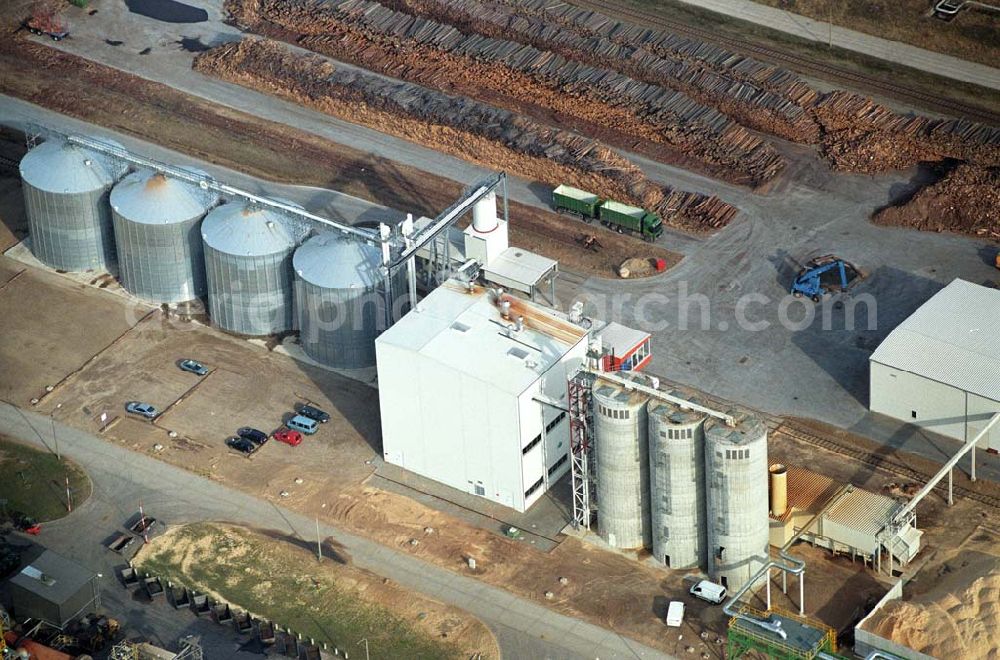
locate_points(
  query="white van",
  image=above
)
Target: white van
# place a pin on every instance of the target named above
(675, 614)
(710, 591)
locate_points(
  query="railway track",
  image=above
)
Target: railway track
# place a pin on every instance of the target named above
(800, 64)
(885, 463)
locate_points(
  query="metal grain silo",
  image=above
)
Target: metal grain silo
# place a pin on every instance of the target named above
(677, 485)
(157, 229)
(66, 202)
(248, 261)
(622, 456)
(737, 490)
(339, 303)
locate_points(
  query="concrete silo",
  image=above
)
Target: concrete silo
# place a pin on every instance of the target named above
(157, 229)
(737, 493)
(677, 484)
(248, 261)
(622, 456)
(339, 299)
(66, 202)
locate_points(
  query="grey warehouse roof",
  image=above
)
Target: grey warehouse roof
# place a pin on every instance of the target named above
(334, 261)
(243, 230)
(953, 338)
(59, 167)
(53, 577)
(154, 199)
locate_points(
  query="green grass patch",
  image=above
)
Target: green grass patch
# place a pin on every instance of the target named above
(34, 482)
(274, 579)
(840, 57)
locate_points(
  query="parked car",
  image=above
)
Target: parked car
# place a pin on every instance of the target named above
(193, 366)
(710, 591)
(253, 435)
(675, 614)
(303, 424)
(288, 436)
(241, 445)
(139, 408)
(312, 412)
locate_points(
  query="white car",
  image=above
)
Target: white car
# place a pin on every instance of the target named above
(675, 614)
(710, 591)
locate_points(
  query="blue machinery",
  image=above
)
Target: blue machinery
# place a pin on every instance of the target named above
(809, 281)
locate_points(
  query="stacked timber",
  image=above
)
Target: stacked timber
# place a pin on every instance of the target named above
(463, 127)
(519, 77)
(734, 87)
(861, 135)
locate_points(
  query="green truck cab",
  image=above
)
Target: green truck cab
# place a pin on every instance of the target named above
(632, 218)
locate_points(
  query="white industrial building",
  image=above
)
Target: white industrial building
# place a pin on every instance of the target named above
(938, 369)
(463, 380)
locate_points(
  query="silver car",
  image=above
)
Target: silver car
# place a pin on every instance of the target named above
(193, 366)
(140, 408)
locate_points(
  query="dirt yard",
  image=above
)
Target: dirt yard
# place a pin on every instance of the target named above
(279, 580)
(973, 35)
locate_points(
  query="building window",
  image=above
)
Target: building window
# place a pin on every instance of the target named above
(558, 464)
(555, 422)
(913, 414)
(480, 489)
(531, 445)
(534, 487)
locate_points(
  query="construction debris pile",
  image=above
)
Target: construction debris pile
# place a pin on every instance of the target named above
(864, 136)
(460, 126)
(516, 76)
(966, 200)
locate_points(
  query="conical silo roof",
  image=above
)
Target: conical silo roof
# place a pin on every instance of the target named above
(60, 167)
(245, 230)
(151, 198)
(334, 261)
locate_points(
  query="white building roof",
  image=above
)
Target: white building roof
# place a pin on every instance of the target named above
(620, 339)
(519, 269)
(465, 331)
(864, 511)
(953, 338)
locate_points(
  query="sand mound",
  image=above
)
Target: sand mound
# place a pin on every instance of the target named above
(958, 618)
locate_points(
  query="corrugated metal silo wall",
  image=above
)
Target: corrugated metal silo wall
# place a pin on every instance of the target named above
(161, 263)
(622, 455)
(250, 295)
(71, 232)
(736, 483)
(677, 488)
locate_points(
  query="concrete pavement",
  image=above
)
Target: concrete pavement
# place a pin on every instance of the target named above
(121, 477)
(820, 31)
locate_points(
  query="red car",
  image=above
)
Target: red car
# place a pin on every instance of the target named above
(289, 437)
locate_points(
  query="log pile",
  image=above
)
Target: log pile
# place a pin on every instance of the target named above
(966, 200)
(457, 125)
(708, 79)
(516, 76)
(864, 136)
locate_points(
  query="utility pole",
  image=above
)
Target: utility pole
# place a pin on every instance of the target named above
(319, 542)
(55, 438)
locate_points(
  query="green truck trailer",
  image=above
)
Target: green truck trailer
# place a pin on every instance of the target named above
(612, 214)
(631, 218)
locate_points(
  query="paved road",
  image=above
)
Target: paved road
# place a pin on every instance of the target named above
(891, 51)
(122, 477)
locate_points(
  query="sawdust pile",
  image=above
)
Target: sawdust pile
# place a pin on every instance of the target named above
(966, 200)
(958, 618)
(518, 77)
(469, 129)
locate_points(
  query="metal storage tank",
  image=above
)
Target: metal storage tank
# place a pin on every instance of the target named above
(248, 261)
(677, 484)
(622, 456)
(339, 303)
(66, 202)
(737, 493)
(157, 228)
